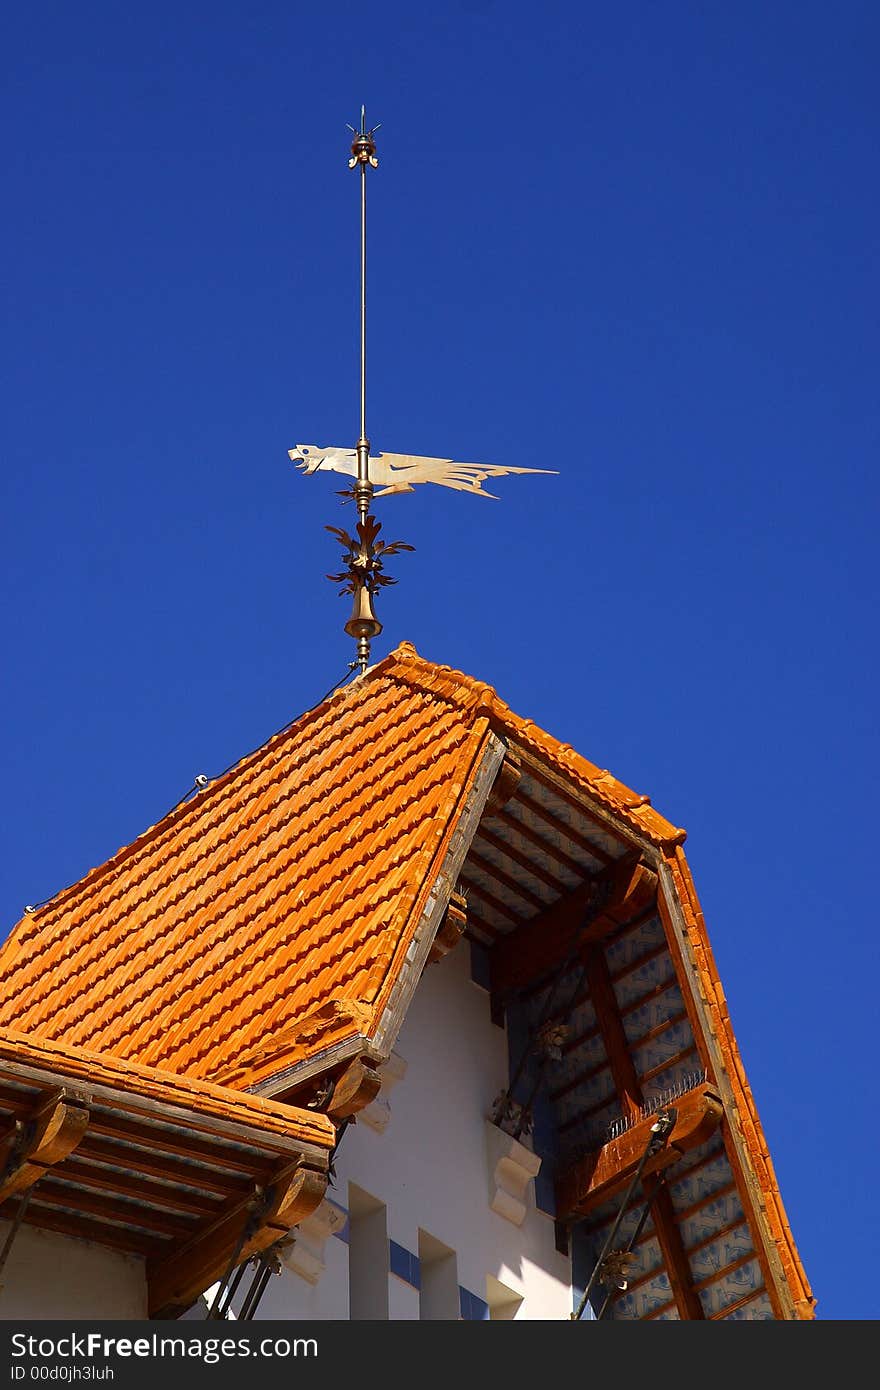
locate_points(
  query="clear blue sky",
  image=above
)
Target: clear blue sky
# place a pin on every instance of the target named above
(634, 243)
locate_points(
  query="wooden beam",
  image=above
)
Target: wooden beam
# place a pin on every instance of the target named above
(135, 1161)
(576, 802)
(550, 851)
(164, 1140)
(54, 1192)
(157, 1195)
(503, 909)
(629, 1089)
(520, 890)
(672, 1249)
(116, 1237)
(175, 1280)
(562, 827)
(613, 1036)
(31, 1149)
(505, 784)
(544, 942)
(532, 867)
(356, 1087)
(595, 1178)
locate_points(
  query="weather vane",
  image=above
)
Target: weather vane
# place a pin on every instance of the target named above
(363, 557)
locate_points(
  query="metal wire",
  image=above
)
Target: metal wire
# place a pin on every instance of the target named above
(13, 1230)
(660, 1130)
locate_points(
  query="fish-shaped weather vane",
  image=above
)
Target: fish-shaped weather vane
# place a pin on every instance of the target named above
(392, 473)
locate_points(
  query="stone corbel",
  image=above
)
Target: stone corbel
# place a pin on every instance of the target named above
(304, 1255)
(378, 1114)
(511, 1168)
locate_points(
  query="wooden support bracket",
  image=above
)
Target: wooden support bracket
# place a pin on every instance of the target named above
(36, 1145)
(505, 784)
(356, 1087)
(451, 929)
(176, 1280)
(599, 1176)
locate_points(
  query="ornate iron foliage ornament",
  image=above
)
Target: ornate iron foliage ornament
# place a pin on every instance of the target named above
(363, 558)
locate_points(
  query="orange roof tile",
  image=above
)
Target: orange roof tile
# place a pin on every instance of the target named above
(262, 916)
(259, 920)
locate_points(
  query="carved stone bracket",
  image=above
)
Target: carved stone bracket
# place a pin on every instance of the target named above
(378, 1115)
(304, 1253)
(511, 1168)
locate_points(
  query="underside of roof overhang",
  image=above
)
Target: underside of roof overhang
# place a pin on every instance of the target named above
(599, 960)
(184, 1175)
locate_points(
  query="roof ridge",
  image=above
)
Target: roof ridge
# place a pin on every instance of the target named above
(481, 698)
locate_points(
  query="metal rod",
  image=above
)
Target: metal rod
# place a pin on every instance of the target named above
(13, 1230)
(252, 1221)
(659, 1130)
(365, 155)
(363, 293)
(232, 1290)
(255, 1293)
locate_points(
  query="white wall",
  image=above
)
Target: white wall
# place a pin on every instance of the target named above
(430, 1168)
(54, 1276)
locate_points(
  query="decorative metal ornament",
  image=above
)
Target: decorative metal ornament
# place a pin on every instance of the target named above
(394, 473)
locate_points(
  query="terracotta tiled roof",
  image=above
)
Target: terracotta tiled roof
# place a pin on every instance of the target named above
(278, 920)
(257, 922)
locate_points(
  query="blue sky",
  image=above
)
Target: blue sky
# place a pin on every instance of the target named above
(635, 244)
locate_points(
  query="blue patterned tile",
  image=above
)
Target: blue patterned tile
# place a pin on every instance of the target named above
(640, 1021)
(711, 1218)
(660, 1050)
(758, 1309)
(634, 943)
(731, 1288)
(473, 1309)
(720, 1252)
(404, 1264)
(637, 982)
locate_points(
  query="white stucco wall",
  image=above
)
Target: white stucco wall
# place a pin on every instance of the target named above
(53, 1276)
(431, 1170)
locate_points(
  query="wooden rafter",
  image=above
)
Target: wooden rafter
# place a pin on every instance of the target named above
(585, 845)
(520, 890)
(204, 1180)
(503, 909)
(550, 850)
(531, 866)
(610, 1025)
(672, 1248)
(576, 803)
(156, 1195)
(544, 942)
